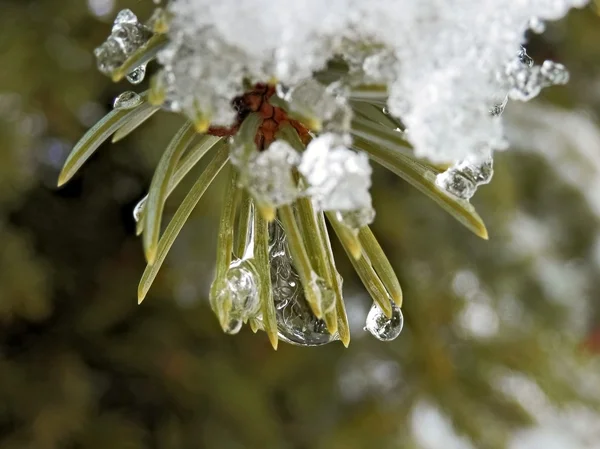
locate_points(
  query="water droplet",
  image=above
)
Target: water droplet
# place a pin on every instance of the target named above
(536, 25)
(382, 327)
(127, 100)
(137, 75)
(139, 209)
(233, 327)
(242, 280)
(296, 323)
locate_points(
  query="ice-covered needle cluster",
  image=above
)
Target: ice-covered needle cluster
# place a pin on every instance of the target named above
(445, 64)
(296, 98)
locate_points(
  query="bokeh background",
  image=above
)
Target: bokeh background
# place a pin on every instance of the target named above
(501, 338)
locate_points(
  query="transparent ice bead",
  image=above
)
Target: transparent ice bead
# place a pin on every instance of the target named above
(382, 327)
(137, 75)
(127, 100)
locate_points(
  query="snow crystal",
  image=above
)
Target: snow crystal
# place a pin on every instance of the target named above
(269, 176)
(338, 178)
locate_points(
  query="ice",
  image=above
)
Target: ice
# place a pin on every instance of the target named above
(268, 175)
(128, 34)
(444, 64)
(295, 321)
(139, 209)
(382, 327)
(462, 179)
(137, 75)
(127, 100)
(338, 178)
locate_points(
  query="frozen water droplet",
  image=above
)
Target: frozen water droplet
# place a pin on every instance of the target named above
(525, 58)
(127, 35)
(139, 209)
(382, 327)
(137, 75)
(124, 16)
(127, 100)
(242, 281)
(478, 172)
(462, 179)
(233, 327)
(357, 218)
(537, 25)
(296, 323)
(554, 73)
(455, 183)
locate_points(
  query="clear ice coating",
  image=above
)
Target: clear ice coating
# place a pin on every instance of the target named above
(127, 100)
(128, 34)
(462, 179)
(269, 174)
(296, 323)
(382, 327)
(338, 178)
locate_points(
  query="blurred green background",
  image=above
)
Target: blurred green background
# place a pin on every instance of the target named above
(500, 339)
